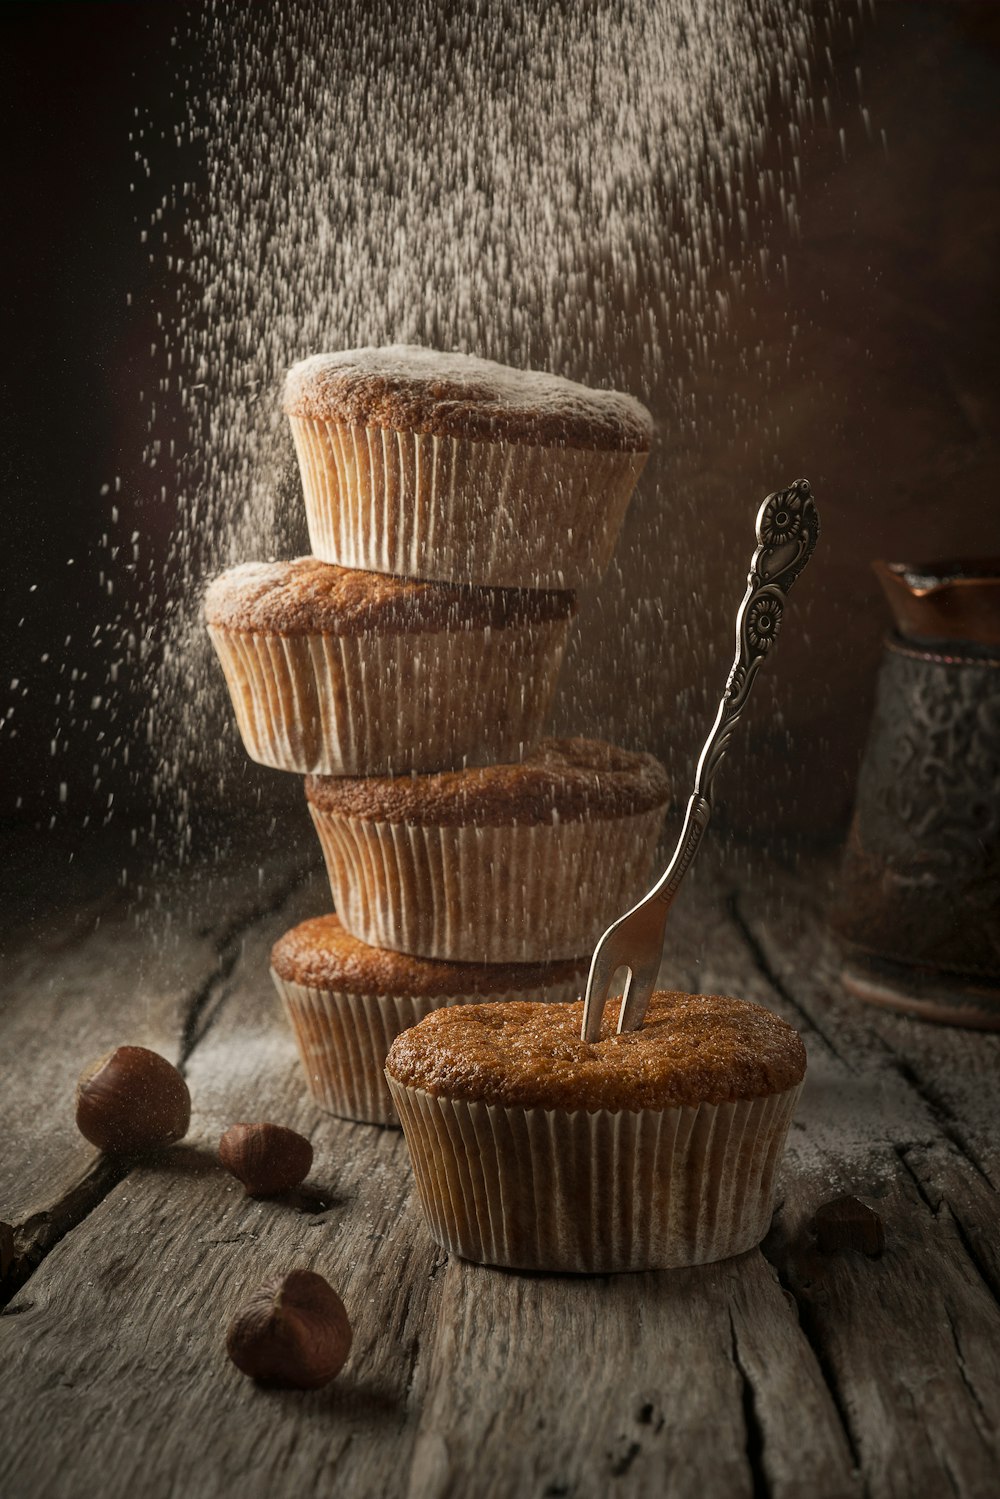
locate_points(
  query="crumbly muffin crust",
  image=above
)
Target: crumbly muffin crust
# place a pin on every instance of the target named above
(309, 597)
(561, 780)
(406, 388)
(692, 1049)
(320, 954)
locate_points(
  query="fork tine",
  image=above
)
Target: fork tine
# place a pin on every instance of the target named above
(635, 1000)
(603, 966)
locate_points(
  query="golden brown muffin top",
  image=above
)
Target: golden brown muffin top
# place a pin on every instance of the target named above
(692, 1049)
(319, 954)
(409, 389)
(569, 780)
(309, 597)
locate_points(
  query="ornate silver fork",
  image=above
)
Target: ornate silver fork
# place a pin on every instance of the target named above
(787, 532)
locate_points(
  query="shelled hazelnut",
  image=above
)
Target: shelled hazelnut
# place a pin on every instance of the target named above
(293, 1331)
(132, 1100)
(267, 1158)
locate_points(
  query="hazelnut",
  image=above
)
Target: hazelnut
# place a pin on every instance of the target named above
(132, 1100)
(267, 1158)
(293, 1331)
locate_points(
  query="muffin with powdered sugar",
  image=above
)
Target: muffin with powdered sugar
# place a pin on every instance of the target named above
(441, 465)
(342, 672)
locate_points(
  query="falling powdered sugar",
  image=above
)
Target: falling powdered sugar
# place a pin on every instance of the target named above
(577, 188)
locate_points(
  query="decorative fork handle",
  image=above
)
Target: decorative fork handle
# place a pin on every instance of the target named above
(787, 532)
(699, 810)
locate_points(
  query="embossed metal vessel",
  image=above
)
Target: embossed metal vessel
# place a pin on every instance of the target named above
(919, 901)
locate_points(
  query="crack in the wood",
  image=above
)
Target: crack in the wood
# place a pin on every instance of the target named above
(35, 1239)
(965, 1375)
(768, 1251)
(38, 1235)
(957, 1488)
(810, 1331)
(774, 979)
(753, 1430)
(647, 1415)
(939, 1111)
(902, 1151)
(983, 1270)
(205, 1003)
(620, 1466)
(200, 1014)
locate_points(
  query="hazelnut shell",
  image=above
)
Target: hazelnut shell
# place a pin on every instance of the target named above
(132, 1100)
(267, 1158)
(293, 1331)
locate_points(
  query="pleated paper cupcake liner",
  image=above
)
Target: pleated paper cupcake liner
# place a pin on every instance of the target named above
(343, 1038)
(486, 894)
(469, 512)
(594, 1193)
(385, 704)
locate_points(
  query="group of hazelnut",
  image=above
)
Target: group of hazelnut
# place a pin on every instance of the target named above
(294, 1329)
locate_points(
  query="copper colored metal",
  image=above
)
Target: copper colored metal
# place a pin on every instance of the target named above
(956, 600)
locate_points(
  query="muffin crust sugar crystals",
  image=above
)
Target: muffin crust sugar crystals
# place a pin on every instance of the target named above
(445, 466)
(693, 1049)
(408, 388)
(352, 673)
(646, 1151)
(506, 863)
(347, 1002)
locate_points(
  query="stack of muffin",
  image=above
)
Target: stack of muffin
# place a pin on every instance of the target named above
(406, 668)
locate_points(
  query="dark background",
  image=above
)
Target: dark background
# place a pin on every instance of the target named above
(73, 415)
(887, 401)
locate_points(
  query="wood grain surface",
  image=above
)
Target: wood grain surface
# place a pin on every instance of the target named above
(784, 1372)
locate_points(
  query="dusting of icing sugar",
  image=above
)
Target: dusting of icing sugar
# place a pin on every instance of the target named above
(411, 369)
(586, 189)
(579, 189)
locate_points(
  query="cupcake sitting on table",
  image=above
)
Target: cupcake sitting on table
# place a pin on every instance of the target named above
(657, 1148)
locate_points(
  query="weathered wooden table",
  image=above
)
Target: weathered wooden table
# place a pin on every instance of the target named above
(785, 1372)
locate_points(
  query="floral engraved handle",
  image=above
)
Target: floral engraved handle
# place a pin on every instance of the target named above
(787, 532)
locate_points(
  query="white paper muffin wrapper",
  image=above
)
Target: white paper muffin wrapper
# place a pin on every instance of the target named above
(452, 508)
(537, 1189)
(384, 704)
(343, 1038)
(486, 894)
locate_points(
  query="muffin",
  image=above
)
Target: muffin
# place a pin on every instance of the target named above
(353, 673)
(346, 1002)
(442, 466)
(657, 1148)
(509, 863)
